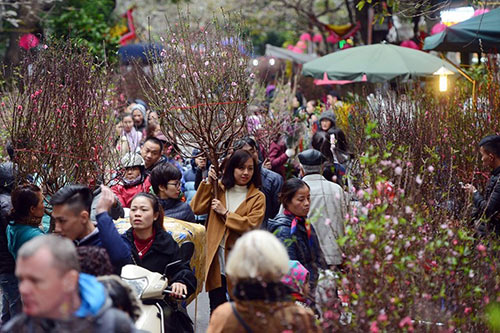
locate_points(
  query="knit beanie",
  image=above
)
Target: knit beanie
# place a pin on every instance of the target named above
(296, 277)
(328, 114)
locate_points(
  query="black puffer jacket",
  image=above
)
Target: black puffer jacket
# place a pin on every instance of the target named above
(177, 209)
(8, 265)
(164, 251)
(271, 186)
(488, 206)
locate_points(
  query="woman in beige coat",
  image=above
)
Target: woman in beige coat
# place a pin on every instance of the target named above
(239, 207)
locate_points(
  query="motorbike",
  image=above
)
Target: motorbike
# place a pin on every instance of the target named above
(152, 290)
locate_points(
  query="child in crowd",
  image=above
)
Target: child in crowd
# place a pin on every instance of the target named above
(130, 139)
(134, 179)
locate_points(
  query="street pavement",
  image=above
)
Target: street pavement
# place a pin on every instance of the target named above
(203, 313)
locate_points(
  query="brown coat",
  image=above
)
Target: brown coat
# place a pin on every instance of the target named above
(248, 216)
(263, 316)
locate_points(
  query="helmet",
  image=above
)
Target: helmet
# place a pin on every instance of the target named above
(7, 177)
(132, 160)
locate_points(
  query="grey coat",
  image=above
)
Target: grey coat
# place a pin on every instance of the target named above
(328, 201)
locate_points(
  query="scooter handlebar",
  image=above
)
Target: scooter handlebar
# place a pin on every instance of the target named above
(168, 291)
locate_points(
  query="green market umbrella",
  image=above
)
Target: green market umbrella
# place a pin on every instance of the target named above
(379, 62)
(470, 35)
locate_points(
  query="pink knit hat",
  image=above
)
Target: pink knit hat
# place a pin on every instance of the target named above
(296, 277)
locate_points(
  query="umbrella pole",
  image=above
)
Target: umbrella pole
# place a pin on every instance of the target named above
(466, 76)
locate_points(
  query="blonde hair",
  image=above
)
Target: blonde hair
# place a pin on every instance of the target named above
(259, 255)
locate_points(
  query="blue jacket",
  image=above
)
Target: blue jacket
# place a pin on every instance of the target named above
(297, 245)
(271, 186)
(189, 178)
(107, 236)
(177, 209)
(95, 314)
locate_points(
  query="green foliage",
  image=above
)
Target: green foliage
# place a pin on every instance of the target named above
(88, 23)
(413, 259)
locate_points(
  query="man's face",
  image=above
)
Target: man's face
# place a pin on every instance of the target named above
(68, 224)
(45, 291)
(151, 153)
(331, 99)
(487, 158)
(201, 162)
(251, 150)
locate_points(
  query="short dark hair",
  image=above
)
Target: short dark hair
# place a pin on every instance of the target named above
(23, 197)
(321, 142)
(290, 187)
(10, 150)
(162, 174)
(78, 197)
(247, 140)
(238, 159)
(491, 144)
(157, 208)
(155, 141)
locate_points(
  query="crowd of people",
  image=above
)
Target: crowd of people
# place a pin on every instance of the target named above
(270, 233)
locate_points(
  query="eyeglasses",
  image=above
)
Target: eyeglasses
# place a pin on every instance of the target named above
(177, 184)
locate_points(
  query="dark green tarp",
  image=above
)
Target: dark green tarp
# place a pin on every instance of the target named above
(468, 36)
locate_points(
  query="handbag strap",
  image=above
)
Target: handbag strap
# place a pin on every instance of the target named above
(242, 322)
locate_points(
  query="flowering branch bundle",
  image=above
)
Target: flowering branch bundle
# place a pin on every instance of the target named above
(59, 119)
(201, 85)
(276, 120)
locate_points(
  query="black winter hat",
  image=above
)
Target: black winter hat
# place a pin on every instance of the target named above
(311, 157)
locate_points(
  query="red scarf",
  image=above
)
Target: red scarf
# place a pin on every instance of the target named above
(143, 245)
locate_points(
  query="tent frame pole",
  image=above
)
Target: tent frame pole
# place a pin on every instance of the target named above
(466, 76)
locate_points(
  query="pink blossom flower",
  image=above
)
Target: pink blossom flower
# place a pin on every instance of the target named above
(45, 46)
(371, 238)
(430, 168)
(398, 171)
(405, 321)
(481, 248)
(373, 327)
(382, 317)
(234, 84)
(467, 310)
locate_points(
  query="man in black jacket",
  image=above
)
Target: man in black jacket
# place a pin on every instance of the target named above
(487, 206)
(11, 300)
